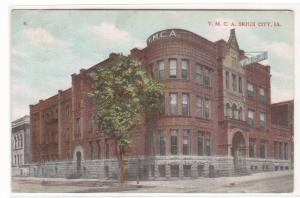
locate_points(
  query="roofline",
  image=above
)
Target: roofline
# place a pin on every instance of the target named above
(282, 102)
(53, 96)
(212, 42)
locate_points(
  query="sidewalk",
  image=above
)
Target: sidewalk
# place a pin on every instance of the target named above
(281, 181)
(205, 180)
(259, 182)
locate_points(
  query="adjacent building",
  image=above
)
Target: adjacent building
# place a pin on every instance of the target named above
(216, 117)
(282, 119)
(20, 146)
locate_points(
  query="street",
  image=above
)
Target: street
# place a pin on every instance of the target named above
(267, 182)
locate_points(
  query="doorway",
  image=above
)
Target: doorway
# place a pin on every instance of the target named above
(238, 151)
(78, 162)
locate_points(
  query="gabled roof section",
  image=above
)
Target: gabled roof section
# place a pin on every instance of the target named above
(232, 41)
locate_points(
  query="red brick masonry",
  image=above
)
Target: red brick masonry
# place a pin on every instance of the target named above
(212, 106)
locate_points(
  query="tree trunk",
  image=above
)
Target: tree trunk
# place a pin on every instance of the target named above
(119, 152)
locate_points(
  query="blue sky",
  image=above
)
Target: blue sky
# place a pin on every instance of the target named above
(47, 46)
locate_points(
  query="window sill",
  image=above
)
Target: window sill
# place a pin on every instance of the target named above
(178, 116)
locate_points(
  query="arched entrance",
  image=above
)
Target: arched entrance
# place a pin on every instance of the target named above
(238, 150)
(78, 162)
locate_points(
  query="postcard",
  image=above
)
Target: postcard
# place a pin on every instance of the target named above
(152, 101)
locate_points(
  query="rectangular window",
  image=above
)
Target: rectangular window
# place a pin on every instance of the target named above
(152, 170)
(162, 143)
(173, 68)
(78, 128)
(208, 145)
(152, 70)
(200, 141)
(186, 142)
(161, 67)
(173, 103)
(99, 150)
(263, 149)
(15, 142)
(91, 150)
(227, 80)
(162, 170)
(252, 147)
(198, 73)
(174, 170)
(185, 104)
(162, 104)
(106, 170)
(69, 135)
(251, 118)
(67, 111)
(207, 108)
(185, 69)
(200, 107)
(21, 141)
(187, 170)
(285, 151)
(275, 150)
(280, 150)
(200, 170)
(174, 147)
(106, 150)
(151, 142)
(262, 94)
(94, 123)
(233, 82)
(240, 85)
(207, 76)
(250, 89)
(262, 120)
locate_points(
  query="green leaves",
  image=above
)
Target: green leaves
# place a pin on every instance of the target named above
(122, 92)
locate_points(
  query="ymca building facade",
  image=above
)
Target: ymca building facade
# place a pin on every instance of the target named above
(215, 120)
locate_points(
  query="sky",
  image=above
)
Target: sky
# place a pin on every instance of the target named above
(47, 46)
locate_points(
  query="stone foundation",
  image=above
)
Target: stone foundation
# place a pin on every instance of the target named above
(106, 169)
(259, 165)
(156, 168)
(22, 171)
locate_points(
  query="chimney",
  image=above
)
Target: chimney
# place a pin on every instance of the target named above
(113, 55)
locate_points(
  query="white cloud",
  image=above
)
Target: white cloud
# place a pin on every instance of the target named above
(20, 107)
(282, 76)
(19, 110)
(40, 36)
(108, 31)
(280, 94)
(282, 50)
(19, 88)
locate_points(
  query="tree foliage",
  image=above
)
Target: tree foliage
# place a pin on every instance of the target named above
(123, 92)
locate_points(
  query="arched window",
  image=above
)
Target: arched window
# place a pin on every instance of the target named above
(234, 111)
(240, 114)
(228, 110)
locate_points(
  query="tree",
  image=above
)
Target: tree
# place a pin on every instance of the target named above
(123, 93)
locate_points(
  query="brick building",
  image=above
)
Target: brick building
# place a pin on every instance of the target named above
(216, 117)
(282, 119)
